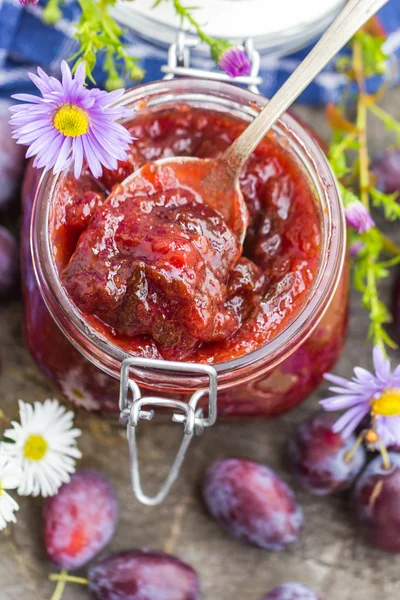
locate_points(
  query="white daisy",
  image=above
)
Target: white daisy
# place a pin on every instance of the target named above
(74, 389)
(10, 477)
(45, 447)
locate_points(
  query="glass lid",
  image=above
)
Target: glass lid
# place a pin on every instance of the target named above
(270, 24)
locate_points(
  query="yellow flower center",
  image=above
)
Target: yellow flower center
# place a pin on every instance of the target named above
(387, 404)
(35, 447)
(1, 489)
(71, 121)
(78, 393)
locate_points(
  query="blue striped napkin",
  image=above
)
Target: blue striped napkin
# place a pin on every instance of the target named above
(25, 42)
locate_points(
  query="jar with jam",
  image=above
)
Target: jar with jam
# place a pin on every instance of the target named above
(160, 276)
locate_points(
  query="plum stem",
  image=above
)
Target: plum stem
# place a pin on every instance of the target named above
(68, 578)
(349, 455)
(62, 579)
(364, 437)
(59, 590)
(385, 456)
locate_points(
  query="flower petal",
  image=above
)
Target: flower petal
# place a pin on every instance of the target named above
(235, 62)
(63, 155)
(27, 98)
(349, 421)
(78, 156)
(342, 402)
(55, 424)
(381, 364)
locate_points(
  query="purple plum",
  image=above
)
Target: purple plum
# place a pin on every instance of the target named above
(318, 456)
(80, 520)
(143, 575)
(291, 591)
(252, 503)
(377, 503)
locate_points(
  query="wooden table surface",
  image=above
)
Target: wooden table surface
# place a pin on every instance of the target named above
(329, 556)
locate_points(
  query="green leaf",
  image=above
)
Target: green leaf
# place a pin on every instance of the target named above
(338, 162)
(368, 58)
(375, 60)
(368, 273)
(98, 32)
(388, 202)
(348, 197)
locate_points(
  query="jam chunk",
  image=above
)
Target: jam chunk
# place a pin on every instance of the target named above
(163, 264)
(78, 201)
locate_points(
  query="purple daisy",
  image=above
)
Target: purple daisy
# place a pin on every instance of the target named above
(70, 124)
(377, 394)
(358, 217)
(235, 62)
(26, 2)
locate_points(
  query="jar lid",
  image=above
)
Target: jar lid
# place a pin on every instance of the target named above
(286, 24)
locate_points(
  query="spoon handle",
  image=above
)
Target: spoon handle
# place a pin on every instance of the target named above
(352, 17)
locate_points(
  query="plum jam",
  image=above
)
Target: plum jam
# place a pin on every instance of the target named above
(154, 265)
(156, 271)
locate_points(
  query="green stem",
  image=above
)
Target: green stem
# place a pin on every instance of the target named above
(385, 117)
(373, 301)
(363, 154)
(68, 578)
(345, 143)
(97, 31)
(362, 124)
(185, 13)
(349, 455)
(60, 587)
(62, 579)
(390, 247)
(374, 305)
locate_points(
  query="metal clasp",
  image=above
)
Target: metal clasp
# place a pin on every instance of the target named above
(132, 406)
(179, 63)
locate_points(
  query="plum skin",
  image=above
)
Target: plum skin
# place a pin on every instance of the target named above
(143, 575)
(318, 456)
(291, 591)
(80, 520)
(252, 503)
(377, 504)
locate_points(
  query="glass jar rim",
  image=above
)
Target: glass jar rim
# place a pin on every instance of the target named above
(107, 356)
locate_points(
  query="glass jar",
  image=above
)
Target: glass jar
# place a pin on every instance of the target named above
(274, 378)
(289, 26)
